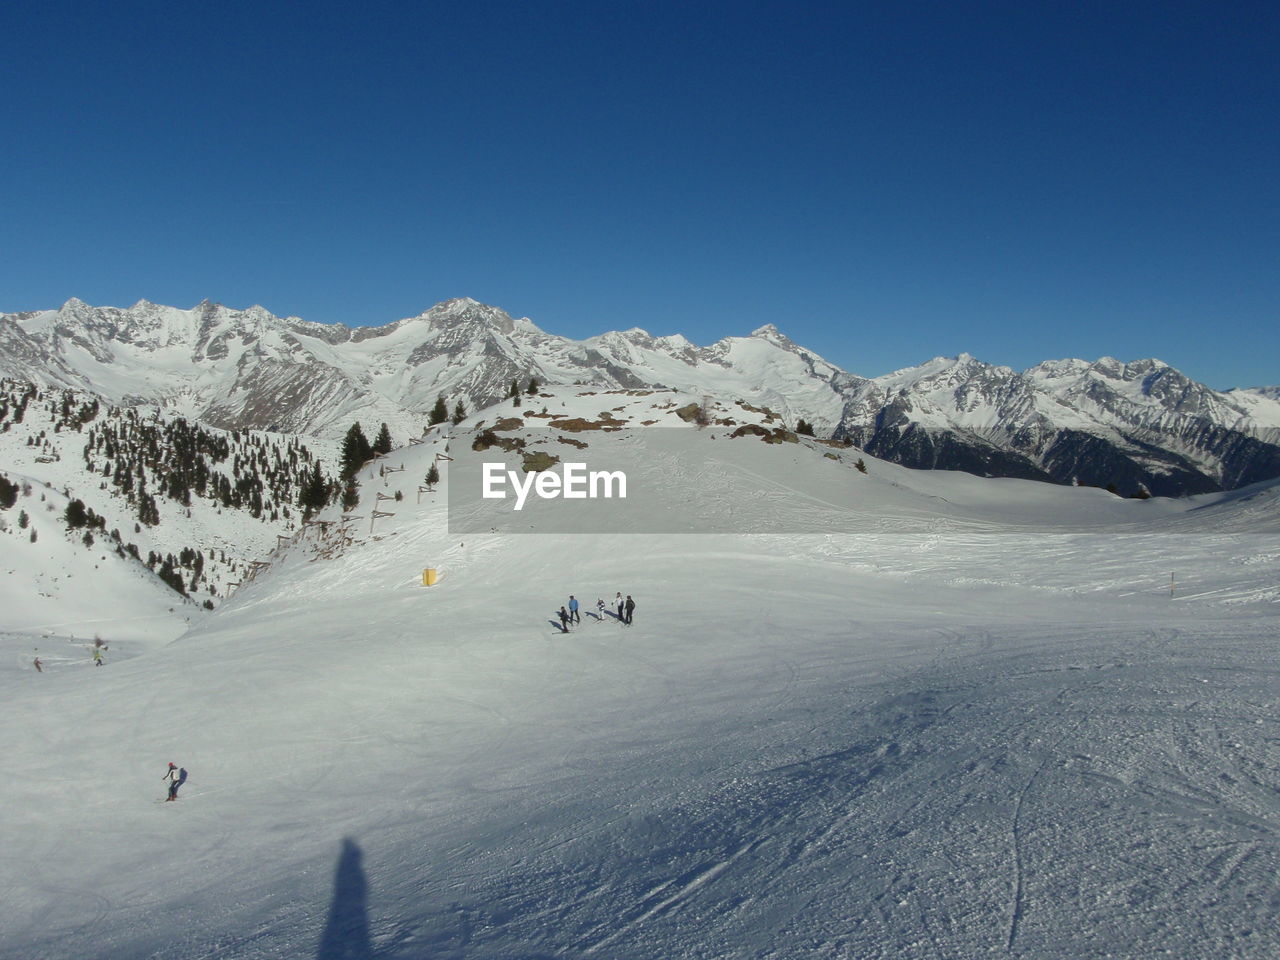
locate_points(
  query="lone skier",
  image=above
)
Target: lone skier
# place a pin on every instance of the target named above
(573, 609)
(39, 669)
(564, 620)
(630, 607)
(176, 778)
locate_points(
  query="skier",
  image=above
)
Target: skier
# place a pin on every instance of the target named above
(175, 778)
(573, 609)
(38, 668)
(631, 605)
(599, 609)
(619, 602)
(564, 620)
(97, 656)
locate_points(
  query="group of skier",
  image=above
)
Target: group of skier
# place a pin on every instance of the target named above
(570, 612)
(98, 648)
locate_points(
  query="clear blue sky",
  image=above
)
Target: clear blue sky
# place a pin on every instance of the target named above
(885, 181)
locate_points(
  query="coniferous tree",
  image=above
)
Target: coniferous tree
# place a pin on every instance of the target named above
(356, 451)
(8, 493)
(148, 512)
(383, 442)
(439, 413)
(171, 576)
(533, 386)
(459, 413)
(433, 476)
(805, 427)
(75, 515)
(350, 496)
(314, 494)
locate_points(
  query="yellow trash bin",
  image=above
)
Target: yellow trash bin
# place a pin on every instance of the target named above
(429, 577)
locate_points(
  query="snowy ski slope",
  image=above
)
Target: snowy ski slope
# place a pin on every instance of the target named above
(978, 722)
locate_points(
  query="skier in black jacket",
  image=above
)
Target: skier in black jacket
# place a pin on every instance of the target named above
(631, 605)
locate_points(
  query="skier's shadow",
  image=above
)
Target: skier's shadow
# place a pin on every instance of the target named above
(347, 935)
(559, 626)
(346, 932)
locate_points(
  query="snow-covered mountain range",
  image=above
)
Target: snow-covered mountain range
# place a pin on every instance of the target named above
(1106, 422)
(251, 369)
(1133, 425)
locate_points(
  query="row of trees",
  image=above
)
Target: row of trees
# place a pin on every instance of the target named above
(69, 411)
(440, 412)
(514, 393)
(14, 399)
(179, 460)
(356, 452)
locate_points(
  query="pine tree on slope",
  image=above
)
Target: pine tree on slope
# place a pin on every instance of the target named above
(356, 451)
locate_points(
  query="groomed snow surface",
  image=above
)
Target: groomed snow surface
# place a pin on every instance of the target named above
(936, 743)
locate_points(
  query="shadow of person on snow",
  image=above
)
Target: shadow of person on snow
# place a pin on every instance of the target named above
(346, 932)
(559, 626)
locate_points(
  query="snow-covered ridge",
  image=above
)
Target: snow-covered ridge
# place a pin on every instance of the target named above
(1272, 393)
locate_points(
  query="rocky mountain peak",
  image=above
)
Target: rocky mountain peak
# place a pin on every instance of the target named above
(771, 334)
(465, 313)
